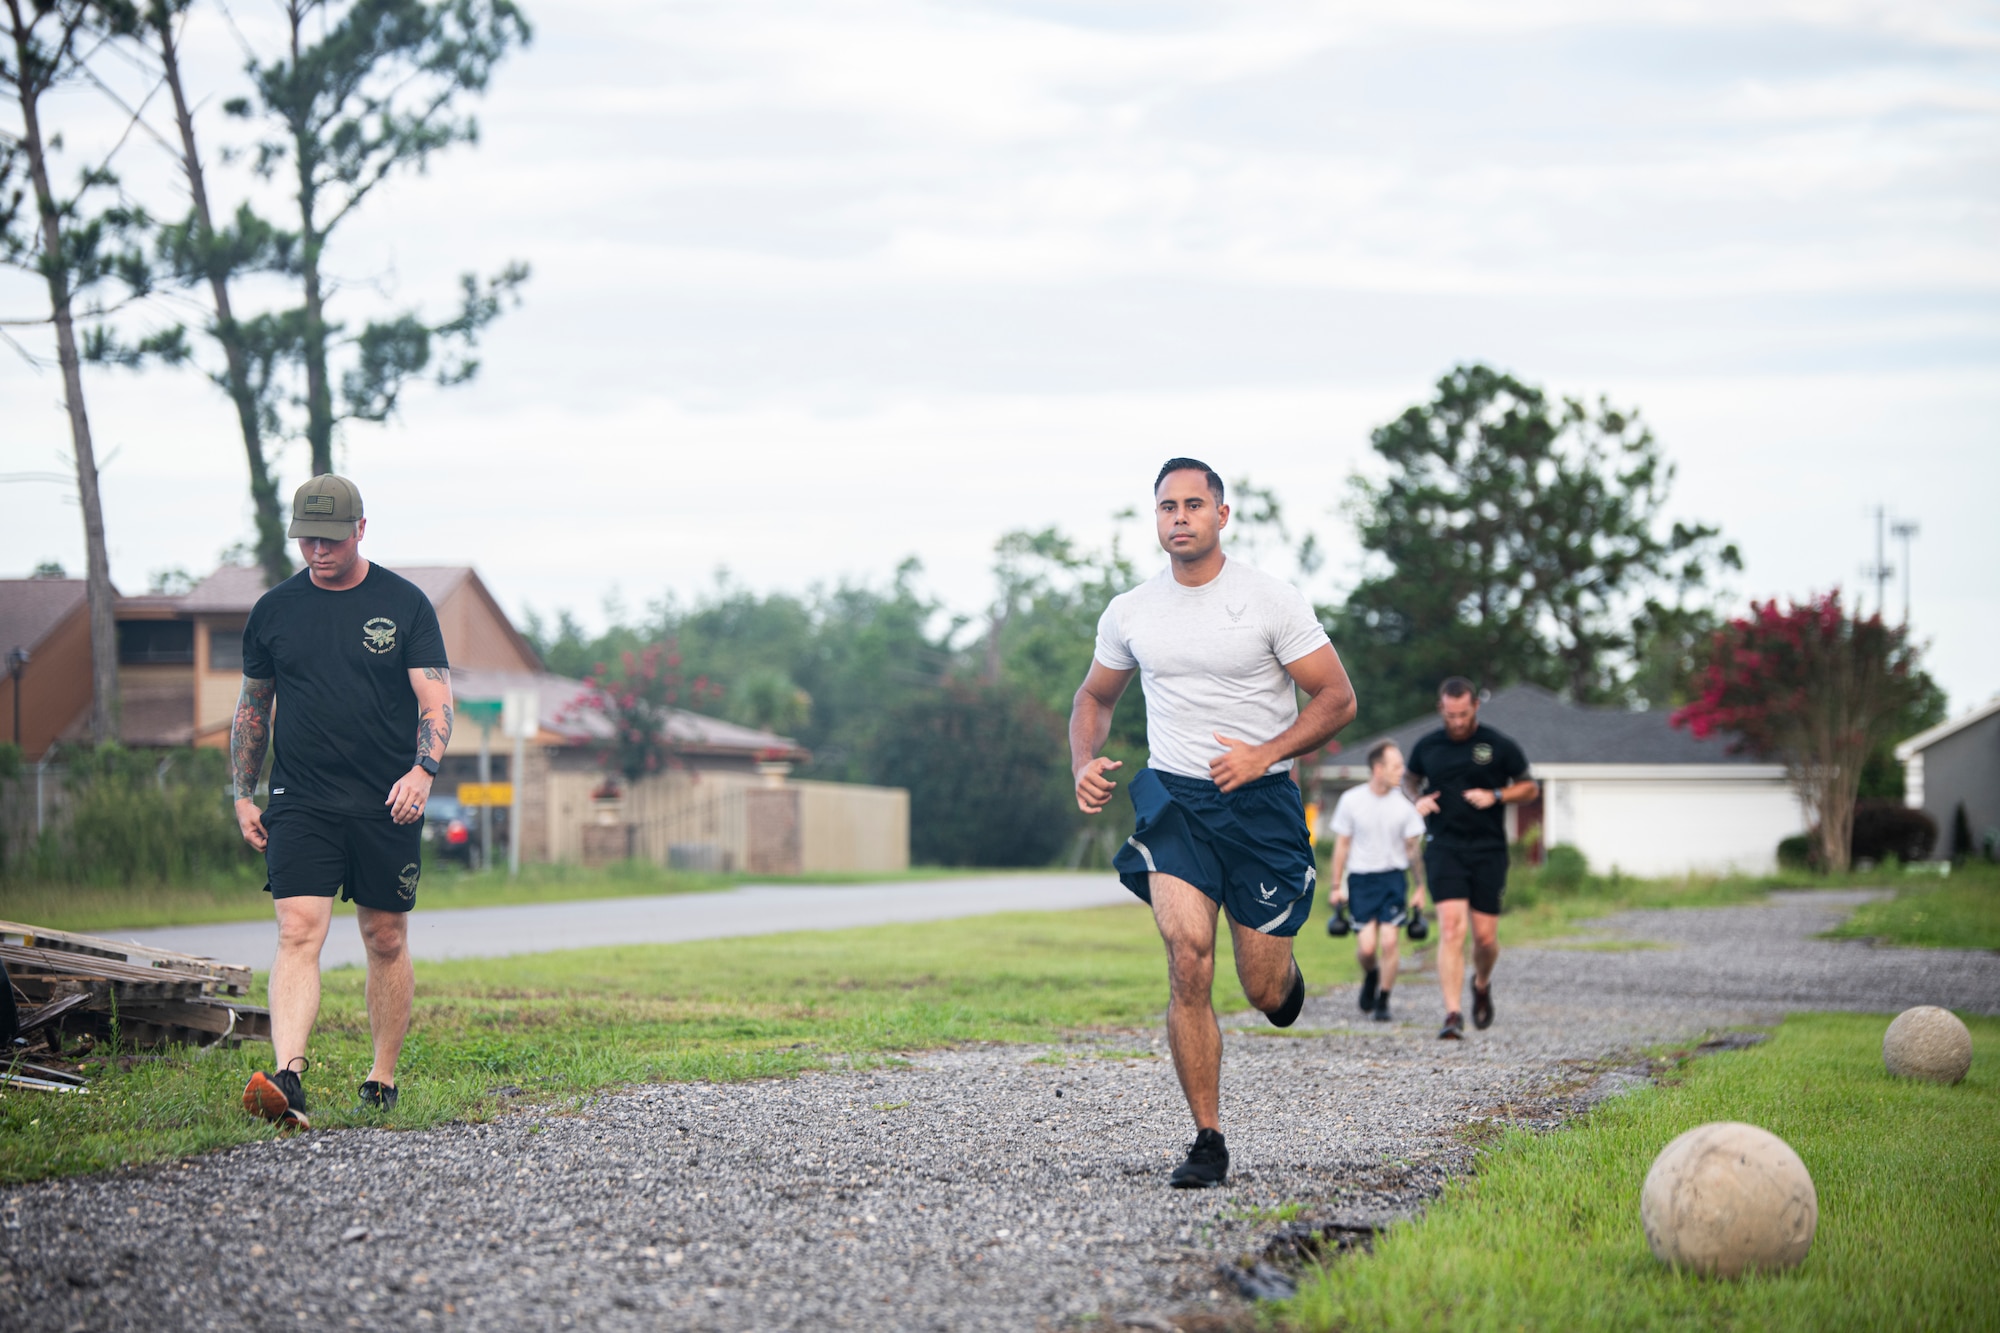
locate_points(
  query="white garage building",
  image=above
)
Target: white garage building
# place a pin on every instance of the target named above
(1625, 788)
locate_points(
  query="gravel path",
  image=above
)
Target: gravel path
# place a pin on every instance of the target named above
(995, 1187)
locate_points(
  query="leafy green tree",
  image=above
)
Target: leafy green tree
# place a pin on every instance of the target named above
(772, 701)
(1259, 532)
(376, 91)
(1042, 628)
(984, 768)
(835, 659)
(76, 253)
(1517, 538)
(1670, 641)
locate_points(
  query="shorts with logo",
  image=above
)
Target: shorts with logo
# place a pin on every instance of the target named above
(1477, 874)
(1247, 849)
(371, 859)
(1378, 895)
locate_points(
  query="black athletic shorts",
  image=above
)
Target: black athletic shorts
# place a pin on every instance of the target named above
(1475, 874)
(371, 859)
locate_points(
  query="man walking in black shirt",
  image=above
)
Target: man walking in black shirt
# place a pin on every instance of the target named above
(1461, 776)
(354, 657)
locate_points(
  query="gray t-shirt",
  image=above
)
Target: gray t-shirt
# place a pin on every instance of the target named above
(1381, 827)
(1210, 659)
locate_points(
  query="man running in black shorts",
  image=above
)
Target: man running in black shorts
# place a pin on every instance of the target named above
(354, 659)
(1461, 776)
(1219, 649)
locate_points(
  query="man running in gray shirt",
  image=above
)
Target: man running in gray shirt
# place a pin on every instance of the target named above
(1220, 650)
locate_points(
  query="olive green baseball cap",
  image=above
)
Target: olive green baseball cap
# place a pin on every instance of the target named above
(327, 506)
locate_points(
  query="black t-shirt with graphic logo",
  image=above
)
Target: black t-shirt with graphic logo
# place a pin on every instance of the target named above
(346, 722)
(1451, 768)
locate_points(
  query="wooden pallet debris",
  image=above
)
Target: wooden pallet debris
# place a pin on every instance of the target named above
(72, 985)
(21, 1074)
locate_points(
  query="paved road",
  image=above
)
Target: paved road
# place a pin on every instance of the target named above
(991, 1187)
(756, 909)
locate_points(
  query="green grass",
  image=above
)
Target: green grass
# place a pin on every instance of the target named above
(1962, 912)
(547, 1028)
(1546, 1234)
(111, 907)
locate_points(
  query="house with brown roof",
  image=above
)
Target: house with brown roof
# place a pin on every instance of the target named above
(45, 644)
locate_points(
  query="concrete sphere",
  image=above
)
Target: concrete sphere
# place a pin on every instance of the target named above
(1725, 1198)
(1928, 1043)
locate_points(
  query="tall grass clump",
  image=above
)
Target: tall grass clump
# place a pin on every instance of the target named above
(140, 817)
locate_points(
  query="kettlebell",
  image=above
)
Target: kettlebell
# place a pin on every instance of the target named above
(1338, 925)
(1417, 926)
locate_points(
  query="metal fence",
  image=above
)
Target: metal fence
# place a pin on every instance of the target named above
(35, 800)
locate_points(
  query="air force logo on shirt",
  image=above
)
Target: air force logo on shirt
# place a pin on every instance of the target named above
(379, 635)
(1482, 753)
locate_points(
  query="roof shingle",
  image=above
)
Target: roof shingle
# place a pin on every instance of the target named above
(31, 608)
(1551, 730)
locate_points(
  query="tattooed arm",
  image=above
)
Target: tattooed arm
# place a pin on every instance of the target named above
(249, 737)
(412, 791)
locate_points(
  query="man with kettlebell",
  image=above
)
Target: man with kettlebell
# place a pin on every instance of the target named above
(1378, 837)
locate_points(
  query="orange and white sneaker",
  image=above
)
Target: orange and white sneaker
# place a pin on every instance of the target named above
(279, 1098)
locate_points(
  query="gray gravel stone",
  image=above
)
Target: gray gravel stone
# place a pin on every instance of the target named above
(989, 1187)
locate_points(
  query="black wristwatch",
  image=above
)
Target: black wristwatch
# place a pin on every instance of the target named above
(428, 764)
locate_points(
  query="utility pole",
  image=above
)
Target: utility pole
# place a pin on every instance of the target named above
(1903, 530)
(1880, 570)
(17, 662)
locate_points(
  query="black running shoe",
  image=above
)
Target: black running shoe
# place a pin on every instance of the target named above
(379, 1098)
(1454, 1027)
(279, 1098)
(1207, 1163)
(1369, 986)
(1382, 1007)
(1287, 1013)
(1482, 1005)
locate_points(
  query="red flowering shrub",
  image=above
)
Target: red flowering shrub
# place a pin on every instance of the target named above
(1814, 688)
(638, 704)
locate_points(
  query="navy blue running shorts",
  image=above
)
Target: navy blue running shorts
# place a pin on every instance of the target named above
(1476, 874)
(371, 859)
(1378, 895)
(1247, 849)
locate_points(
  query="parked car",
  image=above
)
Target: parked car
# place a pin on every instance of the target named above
(451, 831)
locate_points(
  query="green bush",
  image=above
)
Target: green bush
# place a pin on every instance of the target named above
(1565, 870)
(142, 817)
(986, 770)
(1798, 852)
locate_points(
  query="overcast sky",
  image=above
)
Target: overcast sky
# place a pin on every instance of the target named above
(821, 285)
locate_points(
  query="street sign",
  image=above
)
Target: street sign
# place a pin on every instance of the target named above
(486, 793)
(520, 714)
(481, 712)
